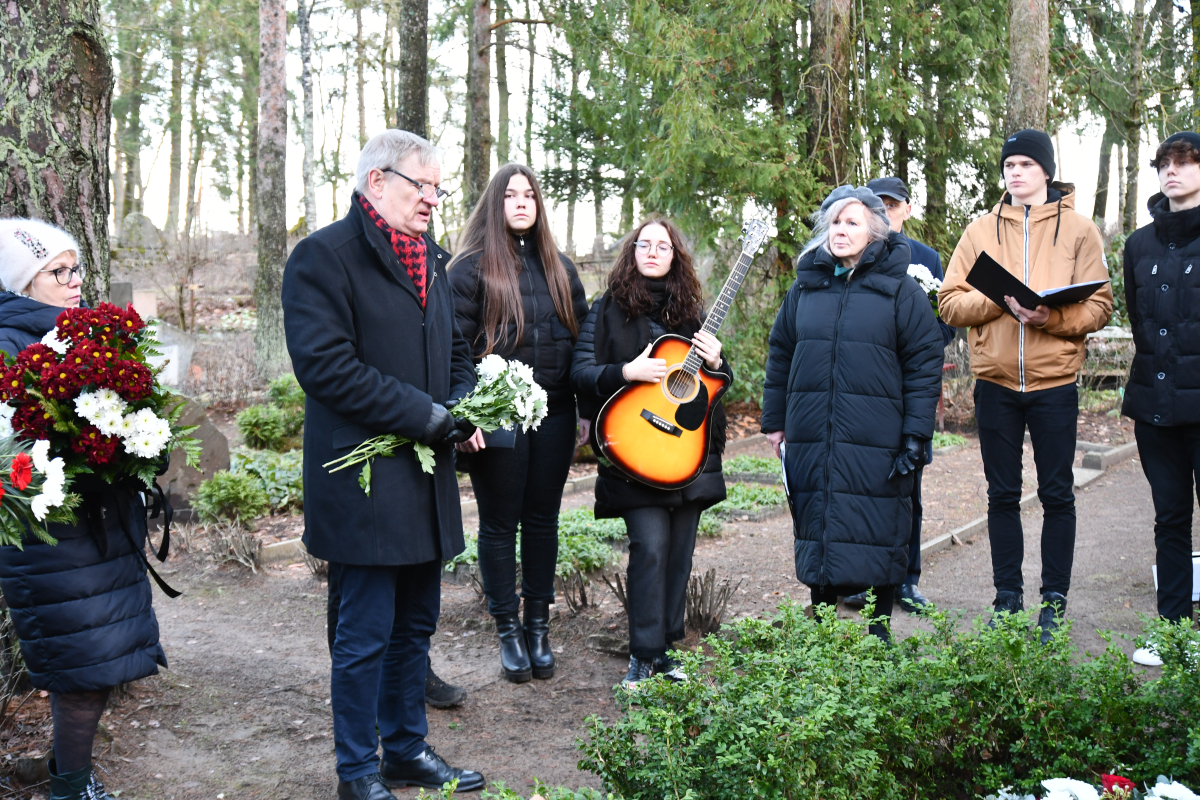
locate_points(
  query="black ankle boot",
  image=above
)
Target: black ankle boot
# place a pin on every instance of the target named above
(1054, 606)
(537, 638)
(78, 785)
(514, 658)
(1006, 602)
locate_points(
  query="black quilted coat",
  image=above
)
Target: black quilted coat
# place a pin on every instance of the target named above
(855, 364)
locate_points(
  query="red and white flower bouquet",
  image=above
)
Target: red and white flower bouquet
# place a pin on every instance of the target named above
(83, 400)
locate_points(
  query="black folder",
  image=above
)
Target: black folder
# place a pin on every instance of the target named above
(995, 282)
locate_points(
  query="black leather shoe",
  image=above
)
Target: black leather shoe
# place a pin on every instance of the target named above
(440, 694)
(1054, 606)
(368, 787)
(911, 599)
(429, 771)
(537, 638)
(514, 658)
(1006, 603)
(855, 601)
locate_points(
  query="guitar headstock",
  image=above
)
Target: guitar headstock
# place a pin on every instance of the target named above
(754, 236)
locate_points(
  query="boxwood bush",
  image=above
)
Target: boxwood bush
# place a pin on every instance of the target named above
(277, 424)
(232, 497)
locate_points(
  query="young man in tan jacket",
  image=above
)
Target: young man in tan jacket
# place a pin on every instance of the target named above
(1025, 361)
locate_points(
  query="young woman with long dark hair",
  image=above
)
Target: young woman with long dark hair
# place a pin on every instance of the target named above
(652, 290)
(517, 296)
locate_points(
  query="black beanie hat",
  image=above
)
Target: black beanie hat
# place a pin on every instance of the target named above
(1033, 143)
(1183, 136)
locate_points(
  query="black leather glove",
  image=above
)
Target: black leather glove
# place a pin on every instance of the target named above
(463, 429)
(440, 424)
(911, 458)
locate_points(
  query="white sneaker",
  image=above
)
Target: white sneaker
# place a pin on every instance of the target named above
(1147, 656)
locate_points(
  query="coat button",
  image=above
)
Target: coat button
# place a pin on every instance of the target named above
(1165, 287)
(1171, 246)
(1162, 375)
(1157, 418)
(1162, 331)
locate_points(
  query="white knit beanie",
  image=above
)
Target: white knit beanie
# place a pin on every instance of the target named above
(27, 245)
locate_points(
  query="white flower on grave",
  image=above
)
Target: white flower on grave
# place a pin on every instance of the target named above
(52, 341)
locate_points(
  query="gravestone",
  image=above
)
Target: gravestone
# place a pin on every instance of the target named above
(139, 235)
(176, 347)
(120, 293)
(181, 481)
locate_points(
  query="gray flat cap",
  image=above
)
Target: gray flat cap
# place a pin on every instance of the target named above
(860, 193)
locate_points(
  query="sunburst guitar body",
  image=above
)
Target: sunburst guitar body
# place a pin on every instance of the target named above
(658, 433)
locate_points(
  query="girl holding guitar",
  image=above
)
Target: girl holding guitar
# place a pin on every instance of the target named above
(517, 296)
(652, 290)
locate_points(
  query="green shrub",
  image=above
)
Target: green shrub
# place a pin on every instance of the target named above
(748, 498)
(280, 474)
(263, 427)
(285, 392)
(710, 524)
(583, 553)
(231, 496)
(817, 708)
(582, 522)
(755, 465)
(948, 440)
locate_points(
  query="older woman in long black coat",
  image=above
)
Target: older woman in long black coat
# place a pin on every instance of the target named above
(851, 390)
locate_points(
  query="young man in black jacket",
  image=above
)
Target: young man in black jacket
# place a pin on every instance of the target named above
(1162, 291)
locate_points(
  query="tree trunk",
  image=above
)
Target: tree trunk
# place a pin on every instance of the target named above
(573, 191)
(1194, 71)
(1100, 207)
(270, 349)
(1120, 183)
(118, 178)
(830, 139)
(386, 66)
(626, 206)
(360, 57)
(598, 208)
(903, 154)
(1028, 64)
(197, 129)
(175, 122)
(56, 88)
(934, 166)
(1167, 64)
(241, 178)
(250, 115)
(309, 168)
(529, 91)
(1133, 119)
(502, 140)
(412, 95)
(133, 69)
(479, 114)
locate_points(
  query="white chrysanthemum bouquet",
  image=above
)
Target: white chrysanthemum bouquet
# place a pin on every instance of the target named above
(929, 284)
(506, 395)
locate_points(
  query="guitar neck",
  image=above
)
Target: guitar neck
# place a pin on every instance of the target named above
(716, 315)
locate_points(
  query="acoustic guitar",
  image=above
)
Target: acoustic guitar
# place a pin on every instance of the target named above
(657, 433)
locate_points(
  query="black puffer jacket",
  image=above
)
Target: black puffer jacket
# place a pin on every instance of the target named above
(546, 342)
(853, 367)
(1162, 290)
(81, 608)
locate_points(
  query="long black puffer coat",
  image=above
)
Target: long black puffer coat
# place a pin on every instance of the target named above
(1162, 288)
(81, 608)
(545, 343)
(854, 365)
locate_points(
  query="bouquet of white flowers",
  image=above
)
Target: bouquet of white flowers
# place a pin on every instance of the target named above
(505, 395)
(927, 282)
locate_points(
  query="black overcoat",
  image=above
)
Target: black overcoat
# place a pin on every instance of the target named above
(854, 365)
(371, 362)
(1162, 290)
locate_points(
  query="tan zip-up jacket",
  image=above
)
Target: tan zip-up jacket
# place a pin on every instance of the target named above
(1046, 246)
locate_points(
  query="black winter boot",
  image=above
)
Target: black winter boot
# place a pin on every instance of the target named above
(1054, 607)
(1006, 603)
(78, 785)
(537, 638)
(440, 694)
(514, 658)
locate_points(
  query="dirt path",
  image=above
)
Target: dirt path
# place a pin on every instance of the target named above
(243, 712)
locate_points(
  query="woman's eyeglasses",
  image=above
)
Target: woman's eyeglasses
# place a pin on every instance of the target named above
(65, 275)
(663, 248)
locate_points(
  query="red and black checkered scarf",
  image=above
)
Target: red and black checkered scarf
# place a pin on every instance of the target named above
(409, 249)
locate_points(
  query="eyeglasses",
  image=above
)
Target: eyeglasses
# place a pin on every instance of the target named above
(427, 190)
(64, 275)
(643, 246)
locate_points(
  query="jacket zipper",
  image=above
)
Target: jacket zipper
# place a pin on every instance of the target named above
(533, 300)
(1021, 350)
(837, 331)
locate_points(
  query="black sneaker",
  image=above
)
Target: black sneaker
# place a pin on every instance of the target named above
(1006, 603)
(669, 667)
(911, 599)
(855, 601)
(640, 669)
(1054, 606)
(440, 694)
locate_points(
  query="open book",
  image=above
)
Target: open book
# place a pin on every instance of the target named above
(995, 282)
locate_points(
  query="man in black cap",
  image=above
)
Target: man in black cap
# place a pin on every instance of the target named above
(898, 203)
(1162, 282)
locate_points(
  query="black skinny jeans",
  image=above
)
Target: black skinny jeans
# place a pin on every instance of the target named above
(661, 541)
(1051, 415)
(1170, 458)
(522, 485)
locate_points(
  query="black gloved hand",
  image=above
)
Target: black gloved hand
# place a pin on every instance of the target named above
(463, 429)
(440, 424)
(911, 458)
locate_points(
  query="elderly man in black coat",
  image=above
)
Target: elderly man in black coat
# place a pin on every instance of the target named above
(369, 317)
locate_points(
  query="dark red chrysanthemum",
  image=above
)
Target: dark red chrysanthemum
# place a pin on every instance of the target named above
(95, 446)
(32, 421)
(36, 356)
(21, 472)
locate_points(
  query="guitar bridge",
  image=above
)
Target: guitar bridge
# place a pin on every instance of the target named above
(661, 424)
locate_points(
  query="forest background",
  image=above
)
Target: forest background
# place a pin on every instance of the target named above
(201, 113)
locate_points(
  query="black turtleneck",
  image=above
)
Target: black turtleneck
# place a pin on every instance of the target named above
(657, 287)
(1173, 227)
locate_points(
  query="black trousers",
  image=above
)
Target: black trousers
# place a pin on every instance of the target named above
(1050, 415)
(1170, 458)
(885, 599)
(522, 486)
(661, 541)
(386, 616)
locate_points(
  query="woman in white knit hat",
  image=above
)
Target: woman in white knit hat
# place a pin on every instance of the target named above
(81, 608)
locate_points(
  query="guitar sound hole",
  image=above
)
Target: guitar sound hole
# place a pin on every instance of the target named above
(681, 385)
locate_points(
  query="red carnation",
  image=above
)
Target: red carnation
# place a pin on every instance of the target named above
(21, 473)
(1, 492)
(1110, 782)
